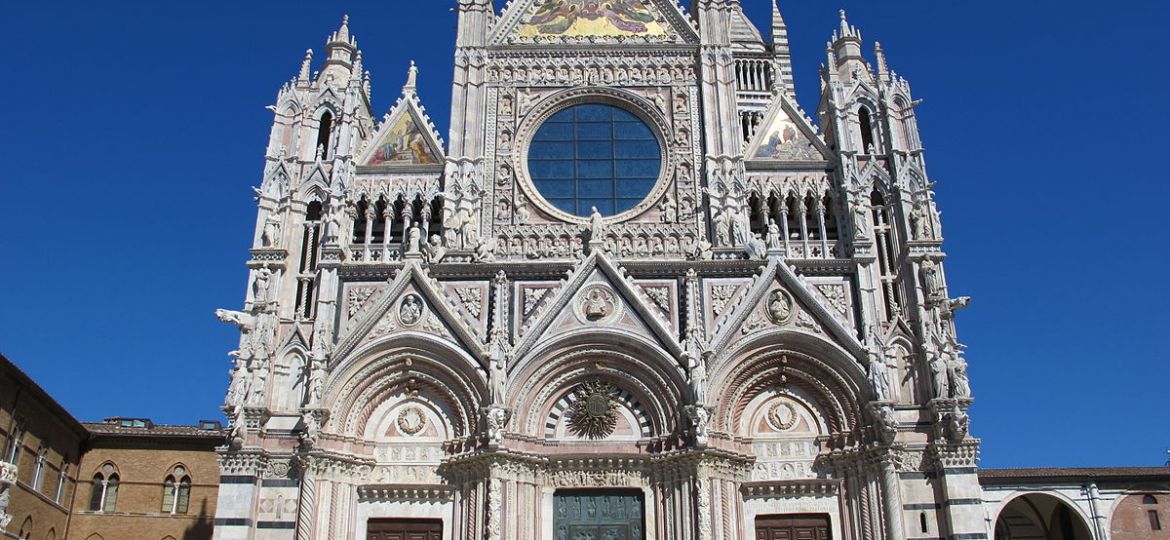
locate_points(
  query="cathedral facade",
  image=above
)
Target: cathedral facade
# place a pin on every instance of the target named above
(638, 294)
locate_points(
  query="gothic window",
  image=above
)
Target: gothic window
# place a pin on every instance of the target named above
(38, 479)
(176, 491)
(104, 494)
(62, 476)
(793, 217)
(830, 218)
(15, 443)
(594, 155)
(383, 213)
(26, 529)
(887, 256)
(922, 521)
(1155, 523)
(310, 254)
(324, 132)
(360, 221)
(811, 207)
(867, 139)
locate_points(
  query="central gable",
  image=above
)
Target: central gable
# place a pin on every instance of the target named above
(593, 21)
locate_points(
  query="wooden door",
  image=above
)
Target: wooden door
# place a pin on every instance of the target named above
(404, 529)
(793, 527)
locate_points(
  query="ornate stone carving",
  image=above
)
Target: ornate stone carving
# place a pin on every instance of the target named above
(598, 304)
(411, 420)
(781, 306)
(593, 414)
(783, 416)
(410, 310)
(357, 298)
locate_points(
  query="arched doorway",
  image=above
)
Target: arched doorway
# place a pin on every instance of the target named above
(1037, 516)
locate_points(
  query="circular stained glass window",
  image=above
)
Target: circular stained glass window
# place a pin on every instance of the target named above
(594, 155)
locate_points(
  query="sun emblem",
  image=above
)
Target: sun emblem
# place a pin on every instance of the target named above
(594, 413)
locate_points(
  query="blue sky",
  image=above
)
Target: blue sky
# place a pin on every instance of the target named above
(135, 129)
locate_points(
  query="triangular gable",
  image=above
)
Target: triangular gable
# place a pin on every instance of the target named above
(404, 139)
(597, 271)
(785, 135)
(805, 311)
(591, 22)
(744, 35)
(412, 302)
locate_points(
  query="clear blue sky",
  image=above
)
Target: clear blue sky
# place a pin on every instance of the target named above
(134, 130)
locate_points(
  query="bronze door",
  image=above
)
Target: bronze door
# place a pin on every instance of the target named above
(404, 529)
(598, 515)
(793, 527)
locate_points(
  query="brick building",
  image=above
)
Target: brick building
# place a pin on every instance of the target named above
(124, 478)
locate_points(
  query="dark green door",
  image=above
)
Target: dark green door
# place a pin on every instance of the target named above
(593, 514)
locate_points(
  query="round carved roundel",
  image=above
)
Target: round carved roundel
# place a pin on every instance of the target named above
(594, 155)
(411, 420)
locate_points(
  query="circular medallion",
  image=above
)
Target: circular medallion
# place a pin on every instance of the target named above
(598, 303)
(411, 420)
(410, 310)
(783, 416)
(781, 306)
(594, 413)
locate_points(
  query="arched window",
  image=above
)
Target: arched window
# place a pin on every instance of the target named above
(38, 479)
(15, 442)
(867, 145)
(26, 528)
(830, 218)
(176, 493)
(62, 476)
(323, 134)
(1149, 499)
(922, 522)
(104, 496)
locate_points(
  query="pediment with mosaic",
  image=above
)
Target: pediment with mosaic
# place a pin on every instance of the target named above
(594, 21)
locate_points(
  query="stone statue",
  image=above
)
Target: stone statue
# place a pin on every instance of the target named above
(434, 250)
(596, 226)
(938, 376)
(496, 419)
(412, 244)
(928, 272)
(879, 377)
(261, 292)
(666, 210)
(887, 424)
(773, 238)
(700, 416)
(316, 380)
(270, 235)
(755, 248)
(697, 371)
(861, 211)
(246, 322)
(311, 431)
(259, 376)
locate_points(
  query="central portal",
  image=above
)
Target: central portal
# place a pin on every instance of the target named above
(595, 514)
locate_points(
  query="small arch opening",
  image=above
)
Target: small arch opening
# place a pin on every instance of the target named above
(867, 142)
(324, 134)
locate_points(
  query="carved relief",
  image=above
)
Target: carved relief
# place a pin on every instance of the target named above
(410, 309)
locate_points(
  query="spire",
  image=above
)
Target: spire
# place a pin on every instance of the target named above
(882, 67)
(342, 34)
(306, 65)
(340, 53)
(781, 51)
(846, 48)
(411, 86)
